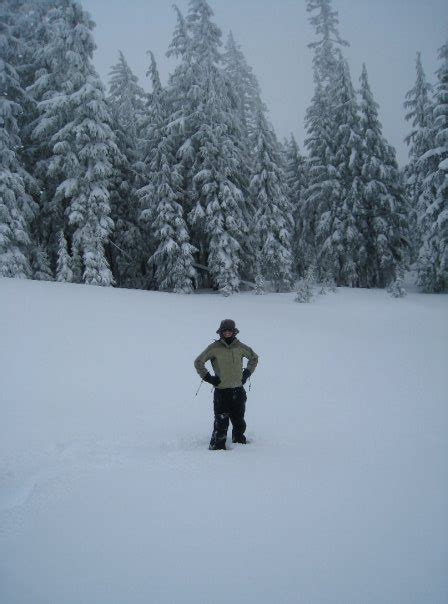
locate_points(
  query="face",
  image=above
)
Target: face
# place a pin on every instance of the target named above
(227, 333)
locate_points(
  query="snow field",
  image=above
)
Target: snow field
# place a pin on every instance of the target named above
(109, 494)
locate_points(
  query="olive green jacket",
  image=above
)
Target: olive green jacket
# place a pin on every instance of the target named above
(227, 362)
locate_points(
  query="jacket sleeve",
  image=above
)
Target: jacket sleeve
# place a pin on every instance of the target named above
(200, 361)
(252, 357)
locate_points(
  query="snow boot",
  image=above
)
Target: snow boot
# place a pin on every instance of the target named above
(239, 439)
(215, 447)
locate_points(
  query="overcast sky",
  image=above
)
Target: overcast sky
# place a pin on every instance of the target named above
(274, 34)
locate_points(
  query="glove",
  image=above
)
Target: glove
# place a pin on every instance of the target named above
(246, 376)
(212, 379)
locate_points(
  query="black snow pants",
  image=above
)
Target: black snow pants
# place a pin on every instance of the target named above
(229, 404)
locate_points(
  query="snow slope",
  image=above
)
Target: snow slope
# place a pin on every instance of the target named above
(108, 493)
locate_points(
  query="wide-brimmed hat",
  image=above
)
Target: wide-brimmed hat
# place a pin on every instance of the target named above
(227, 324)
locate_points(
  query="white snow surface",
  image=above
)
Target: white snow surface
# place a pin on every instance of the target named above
(108, 493)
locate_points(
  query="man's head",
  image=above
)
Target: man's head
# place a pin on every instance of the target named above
(227, 329)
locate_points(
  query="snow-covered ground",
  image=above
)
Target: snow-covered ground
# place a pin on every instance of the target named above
(108, 493)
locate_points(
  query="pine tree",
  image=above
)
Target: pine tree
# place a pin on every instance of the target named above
(331, 221)
(273, 219)
(39, 34)
(208, 146)
(326, 57)
(419, 108)
(17, 209)
(322, 182)
(76, 140)
(245, 86)
(384, 205)
(154, 128)
(180, 46)
(180, 103)
(323, 190)
(76, 263)
(296, 181)
(305, 289)
(41, 264)
(346, 234)
(126, 101)
(328, 284)
(396, 289)
(64, 270)
(433, 257)
(246, 101)
(31, 29)
(173, 256)
(260, 285)
(151, 128)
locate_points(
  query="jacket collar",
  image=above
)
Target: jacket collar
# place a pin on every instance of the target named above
(228, 345)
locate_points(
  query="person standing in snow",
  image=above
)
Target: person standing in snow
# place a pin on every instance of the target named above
(229, 398)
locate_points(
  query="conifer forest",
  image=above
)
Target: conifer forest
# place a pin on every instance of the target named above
(188, 186)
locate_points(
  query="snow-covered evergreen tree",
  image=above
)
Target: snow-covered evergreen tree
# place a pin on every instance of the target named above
(38, 33)
(433, 257)
(396, 289)
(64, 270)
(247, 102)
(208, 146)
(17, 209)
(76, 263)
(273, 219)
(179, 97)
(260, 285)
(326, 57)
(305, 286)
(343, 243)
(245, 86)
(332, 213)
(419, 109)
(296, 180)
(126, 101)
(385, 207)
(40, 264)
(295, 171)
(323, 184)
(159, 105)
(76, 140)
(328, 284)
(322, 179)
(173, 256)
(351, 238)
(29, 27)
(151, 127)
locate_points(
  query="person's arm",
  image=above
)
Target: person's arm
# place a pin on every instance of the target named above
(252, 357)
(200, 361)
